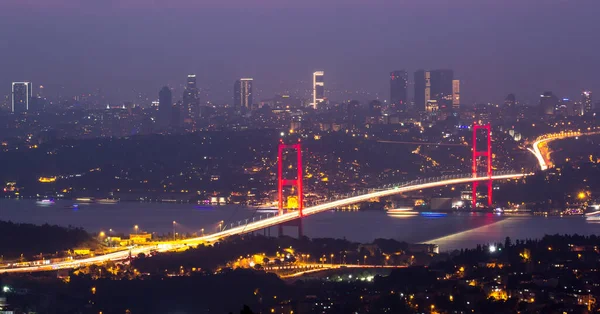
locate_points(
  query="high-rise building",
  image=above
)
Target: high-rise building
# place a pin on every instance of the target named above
(165, 104)
(398, 85)
(21, 96)
(242, 93)
(191, 98)
(442, 87)
(318, 88)
(435, 85)
(586, 100)
(456, 94)
(375, 108)
(422, 89)
(510, 101)
(548, 103)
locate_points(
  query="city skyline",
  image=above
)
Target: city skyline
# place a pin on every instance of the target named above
(490, 67)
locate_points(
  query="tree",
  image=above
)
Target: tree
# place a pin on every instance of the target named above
(246, 310)
(507, 243)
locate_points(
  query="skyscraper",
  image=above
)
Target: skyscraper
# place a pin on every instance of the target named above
(191, 98)
(242, 93)
(422, 89)
(442, 87)
(318, 88)
(165, 103)
(548, 103)
(398, 84)
(586, 100)
(21, 96)
(456, 94)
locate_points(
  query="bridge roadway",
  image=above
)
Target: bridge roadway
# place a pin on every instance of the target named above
(267, 222)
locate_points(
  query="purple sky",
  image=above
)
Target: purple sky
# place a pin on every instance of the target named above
(494, 46)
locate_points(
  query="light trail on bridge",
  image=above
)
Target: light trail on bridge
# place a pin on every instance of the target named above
(422, 143)
(260, 224)
(544, 164)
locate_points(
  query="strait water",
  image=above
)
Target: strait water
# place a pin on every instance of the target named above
(451, 231)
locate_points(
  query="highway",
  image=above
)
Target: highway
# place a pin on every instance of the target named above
(414, 185)
(544, 161)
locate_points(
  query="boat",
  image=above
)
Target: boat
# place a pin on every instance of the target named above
(45, 202)
(266, 209)
(107, 201)
(85, 199)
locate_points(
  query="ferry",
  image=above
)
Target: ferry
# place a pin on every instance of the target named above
(45, 202)
(402, 212)
(107, 201)
(85, 199)
(594, 216)
(267, 209)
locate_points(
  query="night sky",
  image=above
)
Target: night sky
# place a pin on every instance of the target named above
(494, 46)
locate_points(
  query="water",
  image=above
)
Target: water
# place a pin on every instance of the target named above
(452, 231)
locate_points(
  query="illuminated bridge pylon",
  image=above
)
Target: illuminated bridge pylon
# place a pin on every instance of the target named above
(297, 183)
(484, 153)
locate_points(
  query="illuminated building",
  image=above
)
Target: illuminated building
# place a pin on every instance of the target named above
(165, 103)
(398, 85)
(586, 100)
(318, 88)
(21, 95)
(242, 93)
(564, 107)
(456, 94)
(191, 98)
(435, 85)
(548, 103)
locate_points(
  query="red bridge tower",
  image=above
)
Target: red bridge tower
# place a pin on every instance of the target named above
(293, 182)
(476, 155)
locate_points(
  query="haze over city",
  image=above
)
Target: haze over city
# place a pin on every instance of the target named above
(299, 157)
(495, 47)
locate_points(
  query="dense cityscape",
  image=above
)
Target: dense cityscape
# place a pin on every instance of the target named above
(271, 190)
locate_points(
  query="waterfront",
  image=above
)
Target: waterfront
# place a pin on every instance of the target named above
(450, 231)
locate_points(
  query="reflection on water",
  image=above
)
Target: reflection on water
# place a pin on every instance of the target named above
(449, 231)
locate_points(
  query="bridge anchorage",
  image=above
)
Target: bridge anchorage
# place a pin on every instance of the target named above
(486, 153)
(294, 183)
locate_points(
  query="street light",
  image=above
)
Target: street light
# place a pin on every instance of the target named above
(331, 260)
(202, 231)
(136, 227)
(365, 260)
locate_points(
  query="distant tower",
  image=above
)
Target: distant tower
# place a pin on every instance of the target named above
(191, 98)
(318, 88)
(586, 100)
(456, 94)
(242, 93)
(165, 103)
(510, 101)
(21, 96)
(548, 103)
(398, 85)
